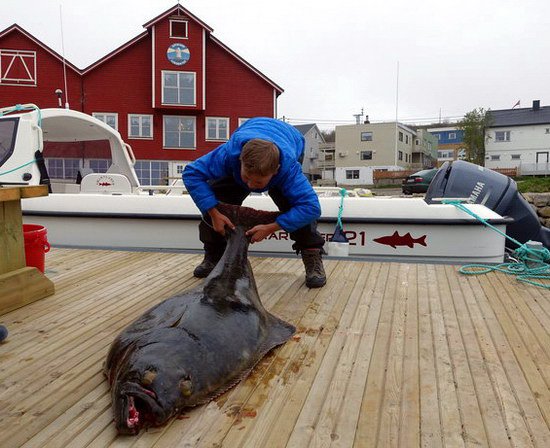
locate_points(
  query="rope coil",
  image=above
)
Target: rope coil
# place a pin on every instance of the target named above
(531, 263)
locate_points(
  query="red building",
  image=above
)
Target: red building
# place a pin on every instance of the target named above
(174, 93)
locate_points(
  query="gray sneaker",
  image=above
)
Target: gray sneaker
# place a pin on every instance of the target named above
(315, 272)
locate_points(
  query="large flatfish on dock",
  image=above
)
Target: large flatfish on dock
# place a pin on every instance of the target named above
(194, 346)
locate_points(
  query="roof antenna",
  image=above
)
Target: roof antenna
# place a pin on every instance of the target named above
(64, 64)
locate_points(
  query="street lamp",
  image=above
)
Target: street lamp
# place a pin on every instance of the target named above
(59, 93)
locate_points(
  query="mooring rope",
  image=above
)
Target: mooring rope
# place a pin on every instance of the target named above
(532, 263)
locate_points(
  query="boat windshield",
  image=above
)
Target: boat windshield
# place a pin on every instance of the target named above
(70, 161)
(8, 130)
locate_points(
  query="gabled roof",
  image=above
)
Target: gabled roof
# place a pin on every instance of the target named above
(304, 128)
(178, 9)
(519, 117)
(250, 66)
(115, 52)
(56, 55)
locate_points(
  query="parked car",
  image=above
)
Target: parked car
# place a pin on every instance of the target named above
(418, 182)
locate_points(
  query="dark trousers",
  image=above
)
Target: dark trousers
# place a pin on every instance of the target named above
(228, 191)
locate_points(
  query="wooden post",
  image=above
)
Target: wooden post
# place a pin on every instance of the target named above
(19, 284)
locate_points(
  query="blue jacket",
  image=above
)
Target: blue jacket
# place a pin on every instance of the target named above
(290, 180)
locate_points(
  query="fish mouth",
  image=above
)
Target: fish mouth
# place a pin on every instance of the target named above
(139, 407)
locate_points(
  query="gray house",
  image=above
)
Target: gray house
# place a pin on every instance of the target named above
(314, 138)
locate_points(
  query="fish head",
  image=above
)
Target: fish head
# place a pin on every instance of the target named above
(151, 392)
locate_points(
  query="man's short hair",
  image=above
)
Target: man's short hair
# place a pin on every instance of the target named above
(260, 157)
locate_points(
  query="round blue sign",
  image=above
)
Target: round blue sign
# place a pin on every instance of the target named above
(178, 54)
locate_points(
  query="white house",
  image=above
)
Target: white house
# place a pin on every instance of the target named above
(313, 138)
(519, 138)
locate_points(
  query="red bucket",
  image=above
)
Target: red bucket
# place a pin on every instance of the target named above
(36, 245)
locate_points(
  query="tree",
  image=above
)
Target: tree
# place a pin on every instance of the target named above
(329, 136)
(473, 124)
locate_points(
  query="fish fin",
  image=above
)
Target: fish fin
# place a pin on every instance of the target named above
(279, 332)
(396, 234)
(422, 240)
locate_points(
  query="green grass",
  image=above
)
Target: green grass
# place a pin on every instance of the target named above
(530, 184)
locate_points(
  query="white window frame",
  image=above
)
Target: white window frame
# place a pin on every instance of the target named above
(495, 157)
(217, 138)
(194, 119)
(102, 116)
(243, 120)
(177, 72)
(367, 136)
(505, 135)
(364, 152)
(352, 173)
(186, 29)
(452, 135)
(26, 58)
(140, 136)
(515, 157)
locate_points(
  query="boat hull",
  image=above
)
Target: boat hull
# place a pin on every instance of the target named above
(395, 229)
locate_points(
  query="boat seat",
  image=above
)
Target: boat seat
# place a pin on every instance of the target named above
(107, 183)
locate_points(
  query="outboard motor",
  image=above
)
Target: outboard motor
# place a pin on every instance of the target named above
(496, 191)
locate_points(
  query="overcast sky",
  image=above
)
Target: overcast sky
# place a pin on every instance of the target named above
(335, 58)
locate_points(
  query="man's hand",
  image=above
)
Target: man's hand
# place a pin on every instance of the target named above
(258, 233)
(219, 221)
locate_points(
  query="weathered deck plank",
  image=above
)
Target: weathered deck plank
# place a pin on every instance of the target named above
(386, 354)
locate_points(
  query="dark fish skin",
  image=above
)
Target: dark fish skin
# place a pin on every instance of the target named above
(192, 347)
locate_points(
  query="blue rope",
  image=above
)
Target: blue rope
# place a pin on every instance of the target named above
(532, 264)
(19, 167)
(20, 107)
(343, 194)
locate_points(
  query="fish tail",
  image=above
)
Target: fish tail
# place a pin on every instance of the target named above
(422, 240)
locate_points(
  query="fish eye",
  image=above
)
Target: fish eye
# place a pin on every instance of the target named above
(186, 386)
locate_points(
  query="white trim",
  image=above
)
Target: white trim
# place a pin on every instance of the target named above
(114, 52)
(206, 137)
(139, 137)
(242, 120)
(179, 117)
(194, 104)
(247, 64)
(153, 97)
(186, 28)
(204, 69)
(23, 56)
(98, 114)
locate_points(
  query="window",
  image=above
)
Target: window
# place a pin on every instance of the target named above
(243, 120)
(217, 128)
(366, 136)
(452, 135)
(502, 136)
(495, 157)
(18, 67)
(179, 132)
(140, 126)
(8, 131)
(110, 119)
(152, 172)
(63, 168)
(400, 136)
(352, 174)
(99, 165)
(445, 154)
(178, 88)
(407, 139)
(516, 156)
(178, 29)
(547, 131)
(417, 142)
(400, 155)
(366, 155)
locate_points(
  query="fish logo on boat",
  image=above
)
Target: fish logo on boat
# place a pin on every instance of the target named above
(105, 181)
(401, 240)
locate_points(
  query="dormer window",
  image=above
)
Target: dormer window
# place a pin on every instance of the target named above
(178, 29)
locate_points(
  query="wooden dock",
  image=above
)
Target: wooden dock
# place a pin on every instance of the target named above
(386, 354)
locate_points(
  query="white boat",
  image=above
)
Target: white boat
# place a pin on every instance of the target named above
(112, 209)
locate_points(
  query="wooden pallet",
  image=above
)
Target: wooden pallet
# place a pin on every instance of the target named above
(386, 354)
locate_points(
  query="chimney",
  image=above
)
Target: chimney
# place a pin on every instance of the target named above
(536, 104)
(367, 120)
